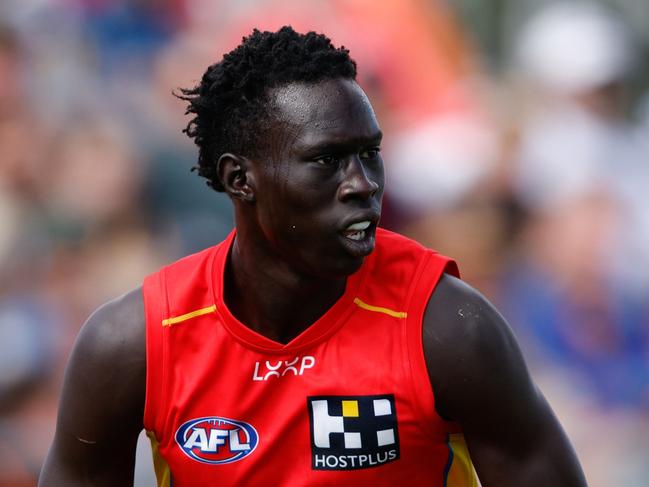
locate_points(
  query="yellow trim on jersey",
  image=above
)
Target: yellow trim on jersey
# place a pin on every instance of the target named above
(187, 316)
(379, 309)
(460, 471)
(162, 471)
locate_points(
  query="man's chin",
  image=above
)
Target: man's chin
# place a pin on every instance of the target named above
(360, 247)
(343, 267)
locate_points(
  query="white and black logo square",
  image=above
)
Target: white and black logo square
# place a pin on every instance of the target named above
(352, 432)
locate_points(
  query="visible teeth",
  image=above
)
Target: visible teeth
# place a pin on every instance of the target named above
(356, 235)
(359, 226)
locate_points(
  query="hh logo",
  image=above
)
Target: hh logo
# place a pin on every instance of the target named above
(352, 432)
(267, 369)
(216, 440)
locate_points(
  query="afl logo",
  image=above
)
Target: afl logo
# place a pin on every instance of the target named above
(216, 440)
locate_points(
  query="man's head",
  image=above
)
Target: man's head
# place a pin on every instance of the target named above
(296, 145)
(231, 106)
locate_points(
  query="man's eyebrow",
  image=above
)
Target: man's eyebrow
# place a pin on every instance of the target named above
(341, 143)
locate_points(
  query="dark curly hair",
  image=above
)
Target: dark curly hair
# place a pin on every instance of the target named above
(230, 105)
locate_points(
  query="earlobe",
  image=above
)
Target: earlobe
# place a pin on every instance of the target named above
(236, 176)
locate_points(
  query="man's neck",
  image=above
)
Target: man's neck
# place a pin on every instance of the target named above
(269, 297)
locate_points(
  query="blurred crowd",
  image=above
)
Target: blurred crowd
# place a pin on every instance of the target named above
(516, 141)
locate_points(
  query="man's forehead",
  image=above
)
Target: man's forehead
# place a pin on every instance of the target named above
(319, 103)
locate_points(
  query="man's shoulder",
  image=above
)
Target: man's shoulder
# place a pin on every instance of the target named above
(458, 314)
(114, 335)
(102, 399)
(467, 343)
(187, 284)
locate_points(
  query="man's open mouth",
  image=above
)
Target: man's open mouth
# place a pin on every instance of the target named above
(356, 231)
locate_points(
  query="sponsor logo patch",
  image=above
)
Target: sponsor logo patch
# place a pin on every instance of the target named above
(352, 432)
(216, 440)
(267, 369)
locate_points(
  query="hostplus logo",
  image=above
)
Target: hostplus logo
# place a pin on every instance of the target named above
(352, 432)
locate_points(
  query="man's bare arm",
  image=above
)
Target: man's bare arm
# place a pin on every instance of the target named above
(102, 404)
(481, 381)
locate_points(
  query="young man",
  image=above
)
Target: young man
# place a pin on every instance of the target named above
(311, 347)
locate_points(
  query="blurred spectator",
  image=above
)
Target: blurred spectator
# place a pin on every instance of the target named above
(578, 57)
(563, 302)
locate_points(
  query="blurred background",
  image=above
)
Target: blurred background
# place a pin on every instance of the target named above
(517, 141)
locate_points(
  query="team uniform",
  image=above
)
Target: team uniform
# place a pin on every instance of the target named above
(347, 402)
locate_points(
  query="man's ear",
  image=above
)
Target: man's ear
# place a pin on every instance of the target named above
(235, 174)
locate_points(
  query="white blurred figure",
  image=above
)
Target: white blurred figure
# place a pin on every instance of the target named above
(438, 163)
(579, 56)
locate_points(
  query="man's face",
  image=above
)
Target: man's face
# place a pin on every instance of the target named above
(318, 195)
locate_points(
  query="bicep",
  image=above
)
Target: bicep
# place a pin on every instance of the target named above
(512, 450)
(513, 436)
(100, 411)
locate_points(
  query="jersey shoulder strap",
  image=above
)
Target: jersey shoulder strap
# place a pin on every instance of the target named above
(172, 295)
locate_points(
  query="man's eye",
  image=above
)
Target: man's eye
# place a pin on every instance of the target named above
(326, 160)
(370, 153)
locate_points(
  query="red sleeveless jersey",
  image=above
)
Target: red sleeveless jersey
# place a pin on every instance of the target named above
(347, 402)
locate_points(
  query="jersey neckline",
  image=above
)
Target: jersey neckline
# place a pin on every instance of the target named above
(318, 331)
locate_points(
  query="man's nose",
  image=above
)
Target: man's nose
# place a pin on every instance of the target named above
(357, 182)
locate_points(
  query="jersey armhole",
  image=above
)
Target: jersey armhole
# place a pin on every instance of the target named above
(425, 280)
(156, 305)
